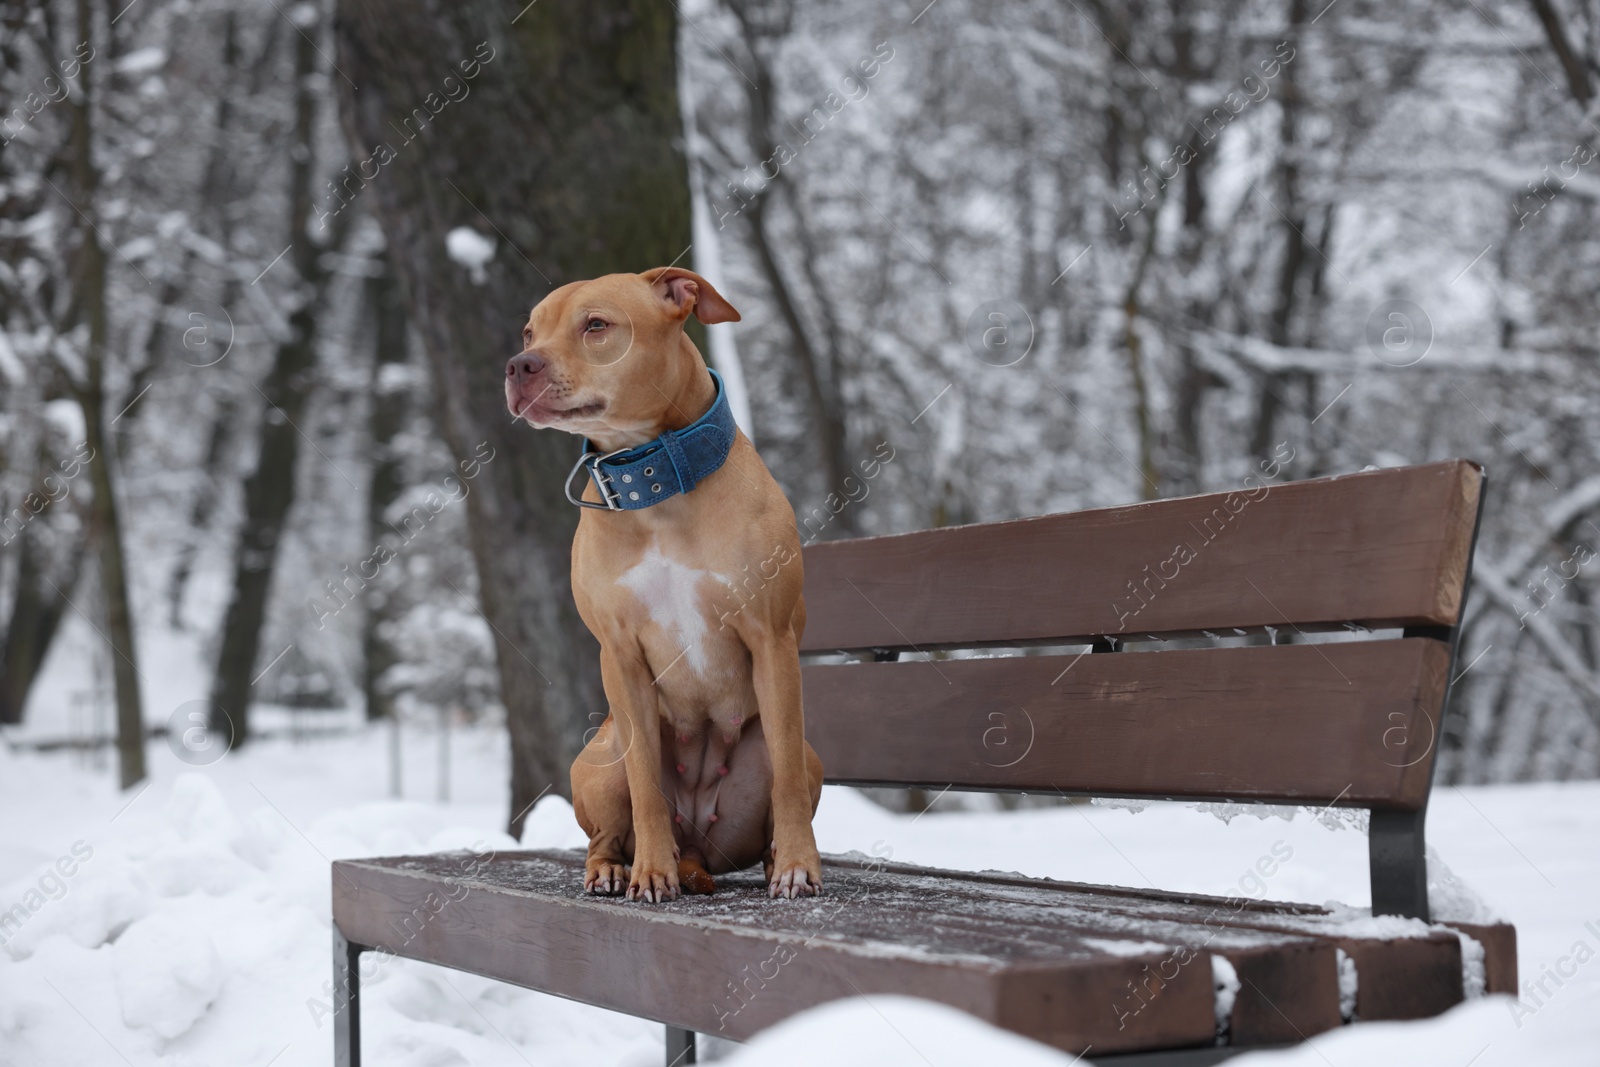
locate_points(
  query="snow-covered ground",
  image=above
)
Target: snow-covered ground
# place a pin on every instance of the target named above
(186, 924)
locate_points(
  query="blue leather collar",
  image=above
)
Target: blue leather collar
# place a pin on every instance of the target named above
(631, 479)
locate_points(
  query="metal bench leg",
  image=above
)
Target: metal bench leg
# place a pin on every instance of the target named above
(680, 1046)
(1398, 854)
(346, 1002)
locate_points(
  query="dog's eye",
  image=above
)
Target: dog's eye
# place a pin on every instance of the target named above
(527, 338)
(595, 325)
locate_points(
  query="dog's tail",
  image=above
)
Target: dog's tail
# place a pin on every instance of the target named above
(692, 873)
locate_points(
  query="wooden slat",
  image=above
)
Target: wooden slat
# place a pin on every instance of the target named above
(1381, 548)
(1403, 979)
(1397, 976)
(1411, 972)
(1301, 723)
(737, 962)
(1499, 941)
(1284, 995)
(1298, 968)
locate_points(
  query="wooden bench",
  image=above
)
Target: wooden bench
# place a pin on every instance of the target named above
(1130, 976)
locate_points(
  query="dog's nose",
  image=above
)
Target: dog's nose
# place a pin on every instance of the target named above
(521, 367)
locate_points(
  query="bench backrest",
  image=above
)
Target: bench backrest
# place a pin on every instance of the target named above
(1353, 723)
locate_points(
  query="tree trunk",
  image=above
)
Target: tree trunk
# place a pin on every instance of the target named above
(1184, 463)
(1572, 63)
(1280, 330)
(89, 300)
(202, 508)
(106, 523)
(817, 354)
(35, 613)
(218, 189)
(269, 490)
(1133, 345)
(567, 152)
(390, 408)
(825, 404)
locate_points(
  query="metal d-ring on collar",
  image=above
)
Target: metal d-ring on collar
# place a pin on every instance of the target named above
(631, 479)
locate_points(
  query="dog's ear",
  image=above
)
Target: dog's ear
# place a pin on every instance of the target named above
(687, 291)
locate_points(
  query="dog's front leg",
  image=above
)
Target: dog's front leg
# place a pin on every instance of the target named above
(775, 663)
(629, 689)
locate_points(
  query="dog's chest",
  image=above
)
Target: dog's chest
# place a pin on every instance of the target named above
(679, 604)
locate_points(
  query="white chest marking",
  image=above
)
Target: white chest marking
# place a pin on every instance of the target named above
(669, 591)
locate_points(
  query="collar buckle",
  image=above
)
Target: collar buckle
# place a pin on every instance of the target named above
(693, 454)
(609, 495)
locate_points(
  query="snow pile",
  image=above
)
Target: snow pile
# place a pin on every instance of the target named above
(1121, 803)
(1225, 981)
(1474, 968)
(1452, 900)
(167, 975)
(194, 929)
(187, 924)
(874, 1031)
(1227, 811)
(471, 250)
(1331, 817)
(1349, 985)
(141, 61)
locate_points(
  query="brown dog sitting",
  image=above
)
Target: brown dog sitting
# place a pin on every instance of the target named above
(686, 567)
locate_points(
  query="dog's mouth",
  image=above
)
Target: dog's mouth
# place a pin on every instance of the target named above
(535, 412)
(582, 411)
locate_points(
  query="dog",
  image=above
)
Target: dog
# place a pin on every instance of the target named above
(686, 567)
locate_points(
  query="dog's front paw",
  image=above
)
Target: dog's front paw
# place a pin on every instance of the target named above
(795, 876)
(654, 880)
(605, 877)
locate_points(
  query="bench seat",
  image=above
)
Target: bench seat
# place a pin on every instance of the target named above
(1081, 967)
(1160, 651)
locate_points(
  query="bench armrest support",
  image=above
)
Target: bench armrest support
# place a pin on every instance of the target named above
(1397, 853)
